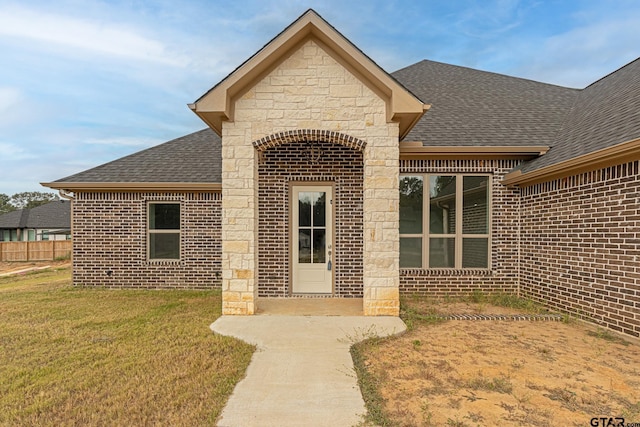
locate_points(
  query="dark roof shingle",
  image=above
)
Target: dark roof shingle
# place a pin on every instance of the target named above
(606, 113)
(50, 215)
(477, 108)
(196, 157)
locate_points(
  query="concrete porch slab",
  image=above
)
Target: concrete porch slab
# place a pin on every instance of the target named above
(302, 372)
(310, 306)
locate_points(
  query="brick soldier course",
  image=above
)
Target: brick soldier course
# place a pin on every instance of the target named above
(563, 202)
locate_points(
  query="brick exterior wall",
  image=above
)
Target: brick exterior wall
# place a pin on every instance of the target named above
(571, 244)
(110, 235)
(503, 275)
(581, 246)
(288, 163)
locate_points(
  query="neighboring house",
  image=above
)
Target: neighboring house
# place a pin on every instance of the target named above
(51, 221)
(321, 175)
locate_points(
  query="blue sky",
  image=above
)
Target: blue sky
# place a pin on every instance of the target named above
(86, 82)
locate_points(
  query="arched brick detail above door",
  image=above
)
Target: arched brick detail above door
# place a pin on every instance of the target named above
(303, 135)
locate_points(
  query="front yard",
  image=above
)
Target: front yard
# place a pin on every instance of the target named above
(492, 372)
(74, 356)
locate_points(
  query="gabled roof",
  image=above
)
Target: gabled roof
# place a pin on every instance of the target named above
(474, 114)
(50, 215)
(477, 108)
(216, 105)
(193, 161)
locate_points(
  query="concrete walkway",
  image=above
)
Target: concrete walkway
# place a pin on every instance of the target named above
(302, 372)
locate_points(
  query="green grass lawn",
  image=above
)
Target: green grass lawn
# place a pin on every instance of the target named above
(76, 356)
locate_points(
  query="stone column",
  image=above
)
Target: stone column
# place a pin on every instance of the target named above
(239, 222)
(381, 222)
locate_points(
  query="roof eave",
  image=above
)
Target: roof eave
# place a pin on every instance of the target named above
(134, 186)
(621, 153)
(415, 150)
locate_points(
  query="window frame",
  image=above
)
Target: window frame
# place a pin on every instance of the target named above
(458, 236)
(177, 231)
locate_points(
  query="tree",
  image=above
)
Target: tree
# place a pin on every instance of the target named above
(5, 204)
(31, 199)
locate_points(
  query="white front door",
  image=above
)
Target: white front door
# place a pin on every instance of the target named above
(312, 238)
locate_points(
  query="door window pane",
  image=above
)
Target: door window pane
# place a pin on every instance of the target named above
(304, 245)
(442, 204)
(304, 209)
(475, 253)
(475, 210)
(411, 204)
(442, 252)
(410, 252)
(319, 208)
(319, 252)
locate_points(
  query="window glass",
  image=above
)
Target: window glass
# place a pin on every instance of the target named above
(410, 252)
(442, 252)
(442, 204)
(411, 204)
(164, 246)
(475, 252)
(475, 209)
(164, 216)
(457, 213)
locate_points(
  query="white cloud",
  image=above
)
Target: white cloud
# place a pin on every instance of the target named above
(13, 107)
(124, 141)
(9, 97)
(12, 152)
(83, 34)
(580, 56)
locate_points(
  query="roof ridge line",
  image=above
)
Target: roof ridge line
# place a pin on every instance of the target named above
(612, 72)
(495, 73)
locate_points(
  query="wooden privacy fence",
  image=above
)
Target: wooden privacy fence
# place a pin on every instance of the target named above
(35, 251)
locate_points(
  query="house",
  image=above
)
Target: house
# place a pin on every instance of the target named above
(321, 175)
(51, 221)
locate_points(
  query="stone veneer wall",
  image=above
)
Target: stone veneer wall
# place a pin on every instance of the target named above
(339, 165)
(503, 275)
(110, 235)
(310, 89)
(581, 246)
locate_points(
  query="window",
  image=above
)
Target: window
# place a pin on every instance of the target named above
(448, 225)
(164, 231)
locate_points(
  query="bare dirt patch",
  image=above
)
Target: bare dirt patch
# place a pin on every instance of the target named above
(508, 373)
(12, 266)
